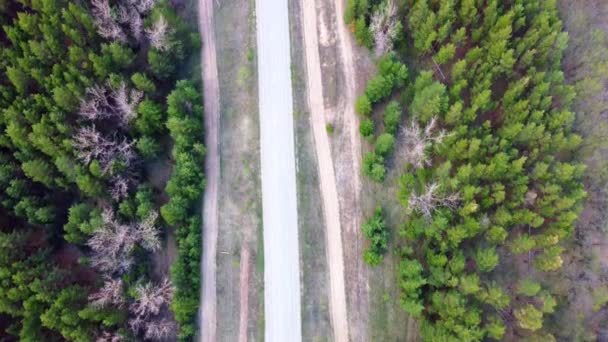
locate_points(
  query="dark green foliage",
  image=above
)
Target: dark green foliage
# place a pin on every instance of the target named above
(375, 230)
(391, 76)
(184, 121)
(52, 60)
(373, 166)
(150, 118)
(366, 128)
(392, 116)
(83, 219)
(143, 83)
(148, 147)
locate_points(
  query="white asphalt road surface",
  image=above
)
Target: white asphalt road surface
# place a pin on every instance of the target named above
(280, 219)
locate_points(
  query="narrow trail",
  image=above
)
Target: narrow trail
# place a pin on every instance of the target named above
(211, 99)
(329, 193)
(349, 97)
(244, 292)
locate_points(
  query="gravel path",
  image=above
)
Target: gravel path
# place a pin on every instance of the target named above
(211, 98)
(331, 206)
(281, 254)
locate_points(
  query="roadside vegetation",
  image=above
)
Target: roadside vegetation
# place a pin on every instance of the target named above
(470, 104)
(87, 106)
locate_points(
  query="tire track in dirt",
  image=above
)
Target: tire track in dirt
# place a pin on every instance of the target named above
(329, 193)
(211, 99)
(357, 282)
(244, 292)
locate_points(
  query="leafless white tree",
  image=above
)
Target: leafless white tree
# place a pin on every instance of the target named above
(430, 200)
(150, 299)
(107, 25)
(112, 244)
(110, 294)
(159, 34)
(95, 105)
(147, 233)
(385, 27)
(159, 329)
(129, 16)
(107, 102)
(126, 17)
(106, 336)
(126, 103)
(142, 6)
(417, 140)
(92, 145)
(119, 187)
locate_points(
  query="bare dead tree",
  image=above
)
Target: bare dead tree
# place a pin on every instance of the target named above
(111, 294)
(95, 105)
(128, 14)
(431, 199)
(107, 102)
(106, 336)
(112, 244)
(159, 329)
(150, 299)
(119, 187)
(147, 233)
(107, 27)
(92, 145)
(159, 34)
(417, 140)
(142, 6)
(385, 27)
(126, 103)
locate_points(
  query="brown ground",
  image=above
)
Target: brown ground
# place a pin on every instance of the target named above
(211, 99)
(239, 200)
(331, 209)
(585, 267)
(339, 59)
(316, 320)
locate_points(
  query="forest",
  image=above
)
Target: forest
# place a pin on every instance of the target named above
(101, 158)
(471, 105)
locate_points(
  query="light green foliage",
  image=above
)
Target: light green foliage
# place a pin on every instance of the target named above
(366, 128)
(486, 258)
(502, 180)
(445, 54)
(384, 144)
(430, 99)
(529, 317)
(528, 287)
(410, 283)
(363, 106)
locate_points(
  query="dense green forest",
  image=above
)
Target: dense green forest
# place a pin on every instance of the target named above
(470, 103)
(89, 105)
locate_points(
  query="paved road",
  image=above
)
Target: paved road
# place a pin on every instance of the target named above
(281, 254)
(211, 98)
